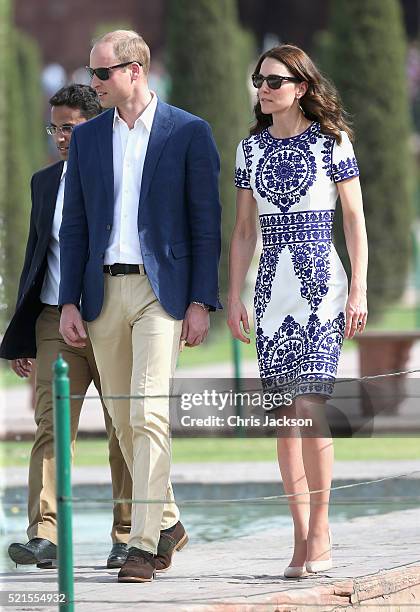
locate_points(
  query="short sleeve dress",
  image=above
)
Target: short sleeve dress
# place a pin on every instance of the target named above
(301, 287)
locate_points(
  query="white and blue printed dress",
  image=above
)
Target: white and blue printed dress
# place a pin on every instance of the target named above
(301, 287)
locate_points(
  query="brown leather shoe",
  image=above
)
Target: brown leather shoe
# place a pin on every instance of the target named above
(138, 567)
(172, 539)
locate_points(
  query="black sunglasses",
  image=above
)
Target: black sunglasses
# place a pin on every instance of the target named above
(274, 81)
(103, 73)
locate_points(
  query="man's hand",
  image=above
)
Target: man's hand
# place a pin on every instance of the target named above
(71, 326)
(22, 367)
(195, 326)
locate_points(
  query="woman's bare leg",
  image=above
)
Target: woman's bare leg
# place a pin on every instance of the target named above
(318, 458)
(289, 452)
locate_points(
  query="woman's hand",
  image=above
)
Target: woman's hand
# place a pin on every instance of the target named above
(356, 312)
(236, 315)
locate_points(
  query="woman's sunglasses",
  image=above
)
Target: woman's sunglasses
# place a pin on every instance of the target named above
(103, 73)
(274, 81)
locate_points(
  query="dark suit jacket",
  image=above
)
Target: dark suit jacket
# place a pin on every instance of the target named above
(19, 339)
(179, 214)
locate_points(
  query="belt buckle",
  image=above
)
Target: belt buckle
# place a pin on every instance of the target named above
(110, 271)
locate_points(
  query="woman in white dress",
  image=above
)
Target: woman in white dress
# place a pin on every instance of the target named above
(298, 158)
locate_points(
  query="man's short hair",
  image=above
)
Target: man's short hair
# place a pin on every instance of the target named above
(128, 46)
(82, 97)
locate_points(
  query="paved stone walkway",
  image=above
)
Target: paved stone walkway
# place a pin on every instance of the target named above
(234, 472)
(376, 558)
(372, 560)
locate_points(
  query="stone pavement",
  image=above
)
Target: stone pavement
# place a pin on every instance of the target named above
(239, 472)
(376, 558)
(376, 562)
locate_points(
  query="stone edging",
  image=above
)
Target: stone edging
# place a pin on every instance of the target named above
(386, 588)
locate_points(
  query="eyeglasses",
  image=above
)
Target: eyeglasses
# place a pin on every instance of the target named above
(103, 73)
(65, 130)
(274, 81)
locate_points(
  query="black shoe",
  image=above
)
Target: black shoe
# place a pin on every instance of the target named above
(117, 556)
(48, 564)
(37, 550)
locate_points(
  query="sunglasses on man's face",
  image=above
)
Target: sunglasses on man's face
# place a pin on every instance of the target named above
(274, 81)
(103, 73)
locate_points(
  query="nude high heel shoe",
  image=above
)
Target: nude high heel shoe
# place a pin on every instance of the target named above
(296, 571)
(321, 566)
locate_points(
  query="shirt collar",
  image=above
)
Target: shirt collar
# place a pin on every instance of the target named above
(63, 172)
(147, 116)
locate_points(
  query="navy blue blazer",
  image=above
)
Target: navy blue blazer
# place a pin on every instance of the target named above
(19, 338)
(179, 214)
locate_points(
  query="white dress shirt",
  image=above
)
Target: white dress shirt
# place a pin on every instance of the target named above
(49, 291)
(129, 152)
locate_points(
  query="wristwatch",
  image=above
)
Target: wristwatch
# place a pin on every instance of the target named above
(203, 306)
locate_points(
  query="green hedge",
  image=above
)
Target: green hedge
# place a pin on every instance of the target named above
(209, 55)
(365, 54)
(24, 152)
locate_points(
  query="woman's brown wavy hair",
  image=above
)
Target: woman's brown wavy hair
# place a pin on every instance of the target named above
(321, 101)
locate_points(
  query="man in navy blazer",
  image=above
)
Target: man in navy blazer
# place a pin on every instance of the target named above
(34, 332)
(140, 246)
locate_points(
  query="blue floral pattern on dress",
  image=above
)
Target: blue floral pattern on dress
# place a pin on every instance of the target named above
(326, 153)
(301, 286)
(308, 238)
(339, 170)
(242, 179)
(311, 264)
(266, 271)
(286, 171)
(345, 169)
(242, 172)
(301, 359)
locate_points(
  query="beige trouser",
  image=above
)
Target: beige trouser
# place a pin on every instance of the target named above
(42, 509)
(136, 346)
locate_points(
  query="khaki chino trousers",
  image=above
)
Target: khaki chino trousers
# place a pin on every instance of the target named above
(42, 508)
(136, 346)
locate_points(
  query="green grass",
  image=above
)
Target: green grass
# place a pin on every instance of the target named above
(8, 378)
(397, 318)
(218, 348)
(94, 452)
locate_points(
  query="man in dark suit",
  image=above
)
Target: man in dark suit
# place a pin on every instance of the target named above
(140, 245)
(34, 332)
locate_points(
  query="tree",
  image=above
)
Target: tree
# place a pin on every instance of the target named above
(17, 204)
(209, 56)
(4, 46)
(29, 64)
(24, 152)
(364, 54)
